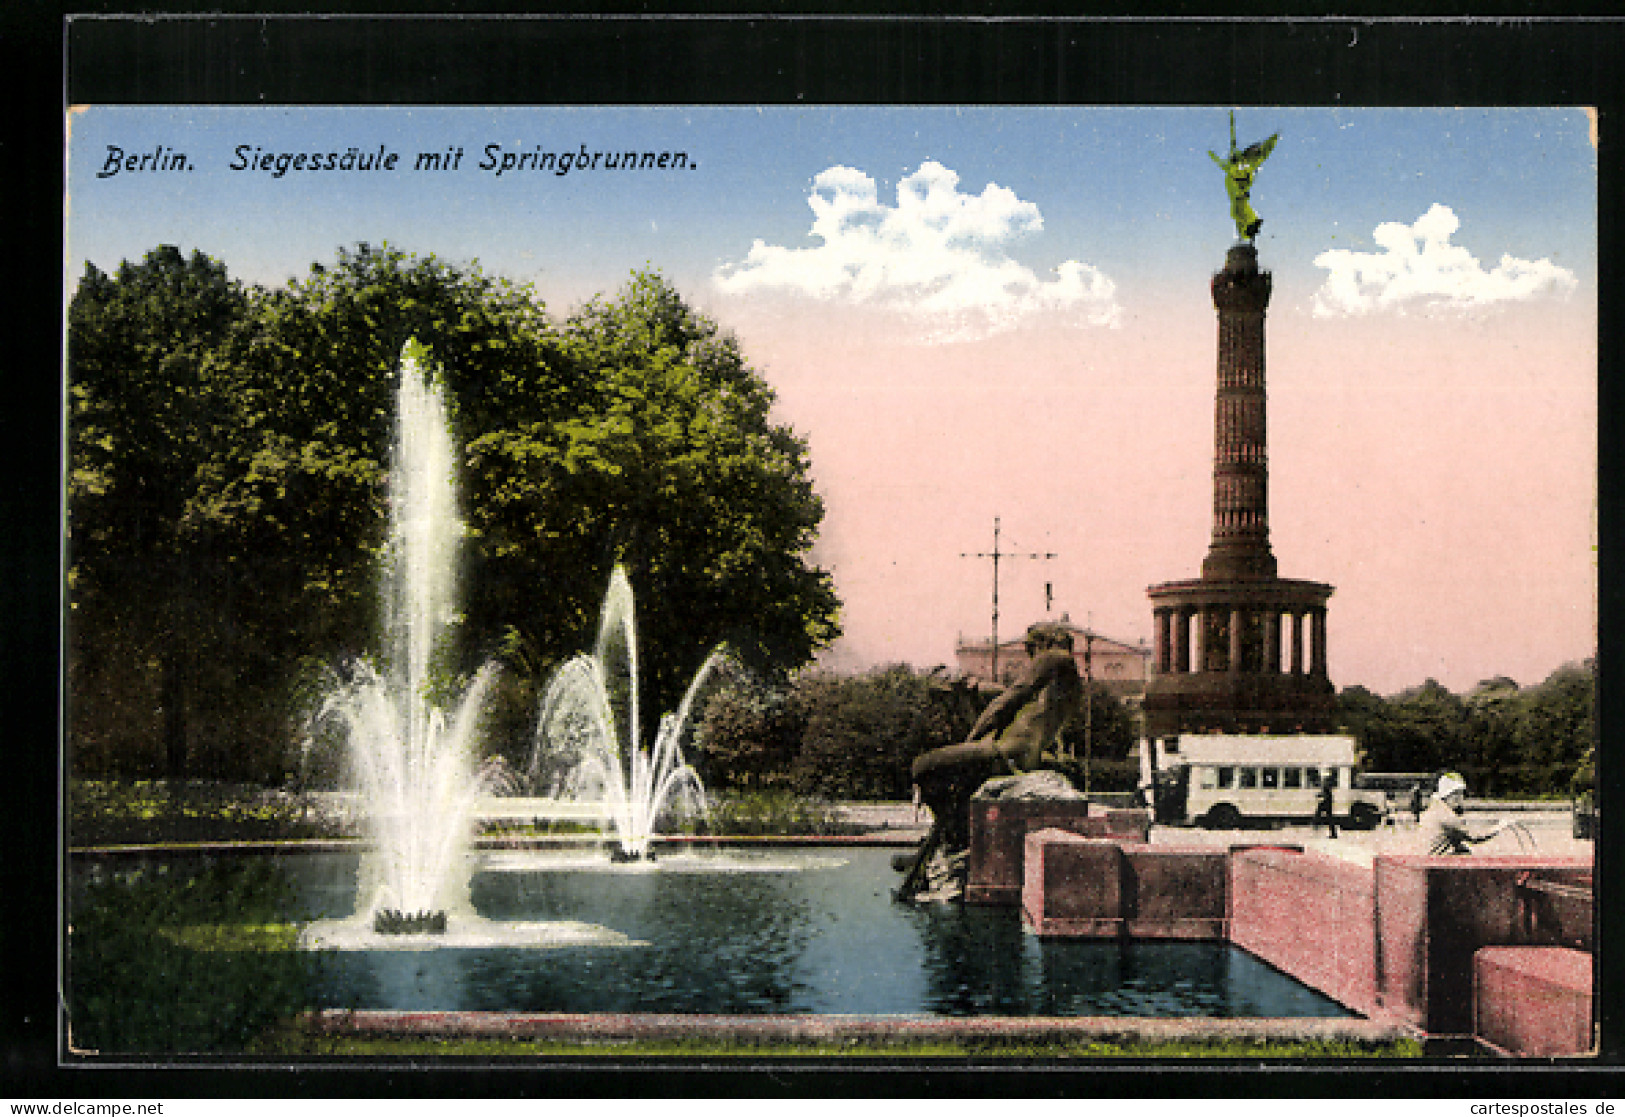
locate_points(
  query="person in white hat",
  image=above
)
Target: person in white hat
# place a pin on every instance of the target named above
(1443, 827)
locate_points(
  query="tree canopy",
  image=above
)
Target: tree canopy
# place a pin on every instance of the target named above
(664, 458)
(227, 456)
(145, 398)
(1504, 739)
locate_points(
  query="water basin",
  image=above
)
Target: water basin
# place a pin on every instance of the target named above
(782, 931)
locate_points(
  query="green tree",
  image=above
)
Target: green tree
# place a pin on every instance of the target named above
(1556, 727)
(1584, 784)
(1422, 729)
(662, 455)
(292, 493)
(301, 489)
(147, 395)
(301, 486)
(1504, 739)
(1366, 716)
(1490, 761)
(228, 492)
(1430, 728)
(1104, 728)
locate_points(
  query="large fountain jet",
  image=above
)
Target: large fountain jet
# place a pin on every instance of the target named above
(411, 758)
(590, 718)
(410, 746)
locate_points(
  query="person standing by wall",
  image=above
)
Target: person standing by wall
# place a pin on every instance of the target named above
(1443, 825)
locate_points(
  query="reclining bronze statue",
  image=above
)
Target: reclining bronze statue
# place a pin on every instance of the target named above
(1009, 737)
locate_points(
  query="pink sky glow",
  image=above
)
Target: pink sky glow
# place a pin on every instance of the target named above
(1439, 471)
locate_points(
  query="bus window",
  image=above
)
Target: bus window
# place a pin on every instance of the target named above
(1291, 778)
(1311, 777)
(1270, 778)
(1331, 777)
(1227, 777)
(1249, 777)
(1206, 782)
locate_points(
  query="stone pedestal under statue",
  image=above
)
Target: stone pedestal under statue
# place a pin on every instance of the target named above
(997, 816)
(1004, 812)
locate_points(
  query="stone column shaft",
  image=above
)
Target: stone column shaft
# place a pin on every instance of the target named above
(1241, 536)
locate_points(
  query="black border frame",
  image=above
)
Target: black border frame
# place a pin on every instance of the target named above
(1379, 54)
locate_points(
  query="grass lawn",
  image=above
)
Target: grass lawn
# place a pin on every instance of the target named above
(292, 1040)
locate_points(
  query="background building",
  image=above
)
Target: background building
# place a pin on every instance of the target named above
(1117, 666)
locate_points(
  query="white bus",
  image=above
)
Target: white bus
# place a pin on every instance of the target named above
(1222, 781)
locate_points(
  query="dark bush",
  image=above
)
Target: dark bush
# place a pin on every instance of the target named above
(748, 739)
(864, 731)
(112, 812)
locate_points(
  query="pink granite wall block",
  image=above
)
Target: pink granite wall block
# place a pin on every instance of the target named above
(998, 833)
(1533, 1001)
(1074, 886)
(1310, 915)
(1434, 913)
(1101, 888)
(1177, 893)
(1133, 824)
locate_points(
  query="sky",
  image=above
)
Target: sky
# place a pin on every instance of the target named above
(980, 314)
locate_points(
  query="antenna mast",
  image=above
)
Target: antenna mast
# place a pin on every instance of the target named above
(995, 554)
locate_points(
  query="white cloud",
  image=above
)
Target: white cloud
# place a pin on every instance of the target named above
(938, 255)
(1419, 265)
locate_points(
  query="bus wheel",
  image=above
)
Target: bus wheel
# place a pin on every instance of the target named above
(1364, 816)
(1222, 816)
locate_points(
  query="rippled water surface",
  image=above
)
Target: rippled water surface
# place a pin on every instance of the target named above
(793, 931)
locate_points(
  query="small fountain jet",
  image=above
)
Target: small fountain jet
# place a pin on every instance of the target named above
(590, 715)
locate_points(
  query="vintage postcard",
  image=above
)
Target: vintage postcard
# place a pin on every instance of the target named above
(784, 582)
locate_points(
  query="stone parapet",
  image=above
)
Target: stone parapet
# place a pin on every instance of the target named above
(1434, 913)
(1533, 1001)
(1496, 948)
(1082, 887)
(1311, 916)
(618, 1027)
(998, 831)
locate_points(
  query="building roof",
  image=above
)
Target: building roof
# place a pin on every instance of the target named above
(1101, 643)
